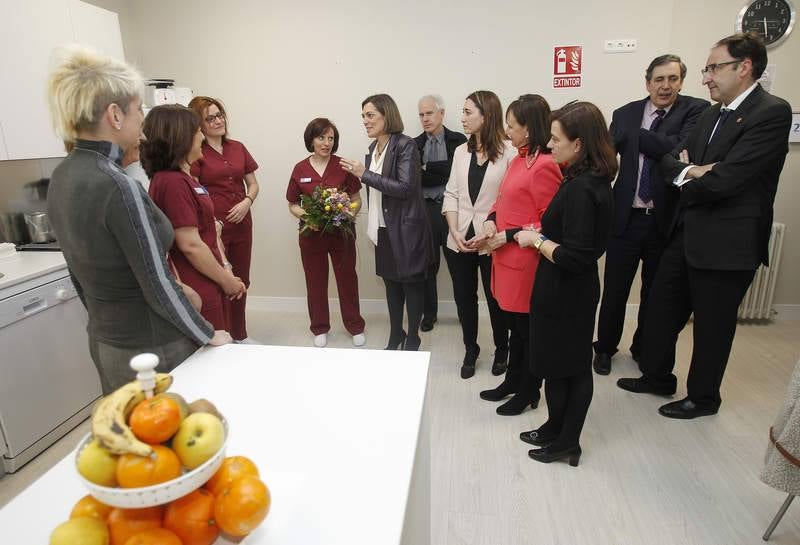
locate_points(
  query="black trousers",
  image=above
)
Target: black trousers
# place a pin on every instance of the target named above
(439, 232)
(410, 295)
(568, 401)
(714, 297)
(518, 372)
(640, 241)
(464, 269)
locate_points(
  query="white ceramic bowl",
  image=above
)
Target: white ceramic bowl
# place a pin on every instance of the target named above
(158, 494)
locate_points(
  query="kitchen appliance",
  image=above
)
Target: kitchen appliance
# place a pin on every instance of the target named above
(13, 229)
(39, 227)
(48, 382)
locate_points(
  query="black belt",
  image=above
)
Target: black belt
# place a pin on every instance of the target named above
(644, 211)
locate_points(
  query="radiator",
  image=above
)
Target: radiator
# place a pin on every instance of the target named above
(757, 302)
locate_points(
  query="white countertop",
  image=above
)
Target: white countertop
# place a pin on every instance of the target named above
(24, 266)
(333, 432)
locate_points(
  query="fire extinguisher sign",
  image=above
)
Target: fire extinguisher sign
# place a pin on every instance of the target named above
(567, 65)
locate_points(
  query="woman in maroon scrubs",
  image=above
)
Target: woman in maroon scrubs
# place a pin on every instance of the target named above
(226, 170)
(173, 143)
(322, 169)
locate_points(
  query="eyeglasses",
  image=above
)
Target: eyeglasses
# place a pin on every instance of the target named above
(219, 115)
(714, 67)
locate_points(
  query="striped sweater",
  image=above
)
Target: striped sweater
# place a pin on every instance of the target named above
(115, 241)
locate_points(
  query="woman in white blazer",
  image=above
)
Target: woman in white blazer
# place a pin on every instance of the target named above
(478, 167)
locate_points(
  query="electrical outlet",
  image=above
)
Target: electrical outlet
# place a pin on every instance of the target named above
(619, 46)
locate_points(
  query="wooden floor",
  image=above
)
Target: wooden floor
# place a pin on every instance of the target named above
(643, 479)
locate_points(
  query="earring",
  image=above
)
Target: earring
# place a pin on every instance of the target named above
(119, 127)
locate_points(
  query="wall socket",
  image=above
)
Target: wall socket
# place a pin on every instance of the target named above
(619, 46)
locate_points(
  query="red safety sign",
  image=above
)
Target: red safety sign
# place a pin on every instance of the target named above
(567, 65)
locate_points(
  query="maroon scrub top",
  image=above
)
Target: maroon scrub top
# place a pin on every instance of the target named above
(223, 175)
(304, 179)
(188, 204)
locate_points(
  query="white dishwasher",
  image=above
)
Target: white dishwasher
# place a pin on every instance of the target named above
(48, 382)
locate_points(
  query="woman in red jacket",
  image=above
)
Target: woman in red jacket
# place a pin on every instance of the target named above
(529, 184)
(227, 171)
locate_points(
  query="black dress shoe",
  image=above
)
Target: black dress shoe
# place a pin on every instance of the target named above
(685, 409)
(500, 363)
(427, 324)
(547, 455)
(412, 344)
(397, 344)
(643, 386)
(537, 439)
(470, 358)
(517, 404)
(496, 394)
(602, 363)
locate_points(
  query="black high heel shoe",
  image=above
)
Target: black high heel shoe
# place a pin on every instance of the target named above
(496, 394)
(470, 358)
(517, 404)
(547, 455)
(397, 345)
(500, 363)
(537, 439)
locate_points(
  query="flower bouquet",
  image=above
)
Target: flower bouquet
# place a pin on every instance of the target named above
(327, 210)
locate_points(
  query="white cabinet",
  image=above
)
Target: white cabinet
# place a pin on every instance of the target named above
(97, 28)
(32, 30)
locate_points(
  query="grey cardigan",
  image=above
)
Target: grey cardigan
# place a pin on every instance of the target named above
(115, 240)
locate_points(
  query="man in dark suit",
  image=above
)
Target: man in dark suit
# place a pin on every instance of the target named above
(643, 132)
(728, 176)
(436, 146)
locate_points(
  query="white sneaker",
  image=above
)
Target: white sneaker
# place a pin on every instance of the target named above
(321, 340)
(247, 340)
(359, 340)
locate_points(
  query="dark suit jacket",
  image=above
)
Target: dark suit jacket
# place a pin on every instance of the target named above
(407, 224)
(630, 139)
(437, 173)
(727, 213)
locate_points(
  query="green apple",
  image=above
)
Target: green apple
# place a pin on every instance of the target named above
(81, 531)
(98, 465)
(199, 437)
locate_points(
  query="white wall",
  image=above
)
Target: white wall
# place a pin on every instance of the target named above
(277, 64)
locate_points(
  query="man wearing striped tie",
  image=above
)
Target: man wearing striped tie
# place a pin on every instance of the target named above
(727, 177)
(643, 132)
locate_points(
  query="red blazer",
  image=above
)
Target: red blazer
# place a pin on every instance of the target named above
(524, 195)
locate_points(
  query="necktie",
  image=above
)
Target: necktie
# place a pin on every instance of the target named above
(645, 190)
(724, 113)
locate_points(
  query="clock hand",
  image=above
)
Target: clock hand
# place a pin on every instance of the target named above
(765, 27)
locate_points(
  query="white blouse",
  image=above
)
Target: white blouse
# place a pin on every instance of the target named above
(375, 212)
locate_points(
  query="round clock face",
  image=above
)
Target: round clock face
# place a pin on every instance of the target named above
(772, 19)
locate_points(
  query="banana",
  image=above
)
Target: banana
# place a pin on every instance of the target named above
(110, 417)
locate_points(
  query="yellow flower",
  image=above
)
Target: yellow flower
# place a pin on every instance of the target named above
(340, 206)
(327, 207)
(353, 205)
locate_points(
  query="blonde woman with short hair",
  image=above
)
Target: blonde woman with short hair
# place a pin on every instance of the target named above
(113, 237)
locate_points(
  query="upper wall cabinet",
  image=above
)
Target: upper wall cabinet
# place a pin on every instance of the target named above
(32, 31)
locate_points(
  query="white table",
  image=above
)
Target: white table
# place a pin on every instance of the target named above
(340, 436)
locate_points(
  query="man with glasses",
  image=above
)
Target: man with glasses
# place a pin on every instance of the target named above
(643, 131)
(728, 176)
(436, 147)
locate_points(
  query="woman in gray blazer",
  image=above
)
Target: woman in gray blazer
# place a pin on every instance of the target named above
(397, 221)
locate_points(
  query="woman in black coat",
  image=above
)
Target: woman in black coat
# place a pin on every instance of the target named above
(397, 222)
(574, 233)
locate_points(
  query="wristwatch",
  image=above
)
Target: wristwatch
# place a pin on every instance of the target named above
(539, 241)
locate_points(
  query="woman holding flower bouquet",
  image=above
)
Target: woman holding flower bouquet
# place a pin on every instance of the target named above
(398, 221)
(326, 200)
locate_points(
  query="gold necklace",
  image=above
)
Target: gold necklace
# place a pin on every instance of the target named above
(378, 150)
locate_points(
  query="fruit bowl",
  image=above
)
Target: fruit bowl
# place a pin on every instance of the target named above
(158, 494)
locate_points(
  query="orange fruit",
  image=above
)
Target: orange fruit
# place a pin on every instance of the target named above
(192, 518)
(155, 420)
(242, 506)
(126, 523)
(231, 469)
(154, 536)
(88, 506)
(135, 471)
